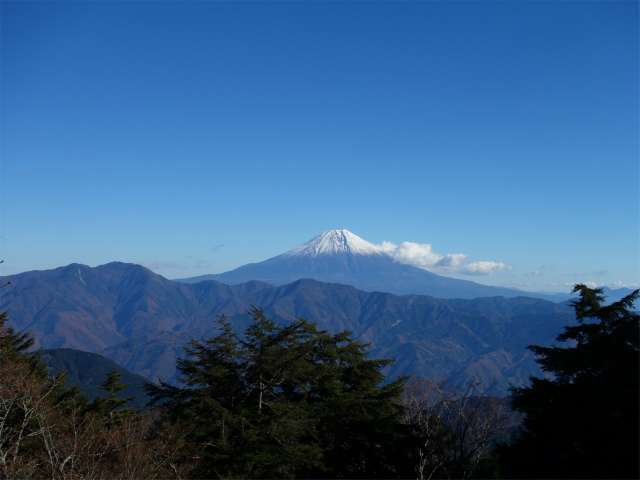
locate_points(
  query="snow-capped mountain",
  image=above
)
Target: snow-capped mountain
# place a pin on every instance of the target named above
(339, 256)
(334, 242)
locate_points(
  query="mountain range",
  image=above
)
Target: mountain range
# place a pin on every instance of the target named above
(142, 321)
(339, 256)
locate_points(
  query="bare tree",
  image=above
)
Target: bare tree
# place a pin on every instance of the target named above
(24, 403)
(169, 454)
(79, 445)
(48, 431)
(455, 425)
(421, 399)
(144, 448)
(74, 443)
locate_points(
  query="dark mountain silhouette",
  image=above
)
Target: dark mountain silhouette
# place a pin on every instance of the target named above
(339, 256)
(141, 320)
(89, 371)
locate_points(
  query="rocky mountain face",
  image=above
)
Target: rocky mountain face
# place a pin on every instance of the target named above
(339, 256)
(141, 320)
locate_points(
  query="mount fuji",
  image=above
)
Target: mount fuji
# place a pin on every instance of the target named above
(339, 256)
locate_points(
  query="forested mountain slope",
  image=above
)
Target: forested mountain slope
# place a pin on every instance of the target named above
(141, 320)
(89, 371)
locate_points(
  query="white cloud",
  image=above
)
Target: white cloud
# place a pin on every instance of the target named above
(613, 285)
(625, 285)
(484, 268)
(422, 255)
(453, 260)
(588, 284)
(157, 265)
(191, 264)
(539, 271)
(416, 254)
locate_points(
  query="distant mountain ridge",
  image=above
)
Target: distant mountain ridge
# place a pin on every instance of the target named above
(339, 256)
(142, 321)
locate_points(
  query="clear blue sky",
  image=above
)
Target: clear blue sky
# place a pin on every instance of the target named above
(195, 137)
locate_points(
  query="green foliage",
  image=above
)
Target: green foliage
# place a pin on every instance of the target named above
(111, 407)
(15, 348)
(582, 422)
(284, 402)
(88, 371)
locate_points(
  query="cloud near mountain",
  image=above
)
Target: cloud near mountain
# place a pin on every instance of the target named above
(159, 265)
(421, 255)
(625, 285)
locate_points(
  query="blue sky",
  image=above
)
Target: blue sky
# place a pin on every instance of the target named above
(195, 137)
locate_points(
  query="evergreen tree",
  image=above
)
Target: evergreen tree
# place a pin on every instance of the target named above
(582, 422)
(111, 407)
(286, 401)
(14, 347)
(359, 416)
(211, 402)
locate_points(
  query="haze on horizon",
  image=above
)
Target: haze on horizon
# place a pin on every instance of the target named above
(496, 142)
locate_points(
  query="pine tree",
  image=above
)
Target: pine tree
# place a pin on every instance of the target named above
(358, 414)
(286, 401)
(15, 346)
(582, 421)
(111, 407)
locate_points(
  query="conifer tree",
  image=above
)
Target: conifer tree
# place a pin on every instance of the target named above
(111, 407)
(582, 420)
(15, 348)
(286, 401)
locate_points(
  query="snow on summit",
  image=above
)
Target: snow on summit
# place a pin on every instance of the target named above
(335, 241)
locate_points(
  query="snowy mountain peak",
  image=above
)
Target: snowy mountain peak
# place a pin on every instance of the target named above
(335, 241)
